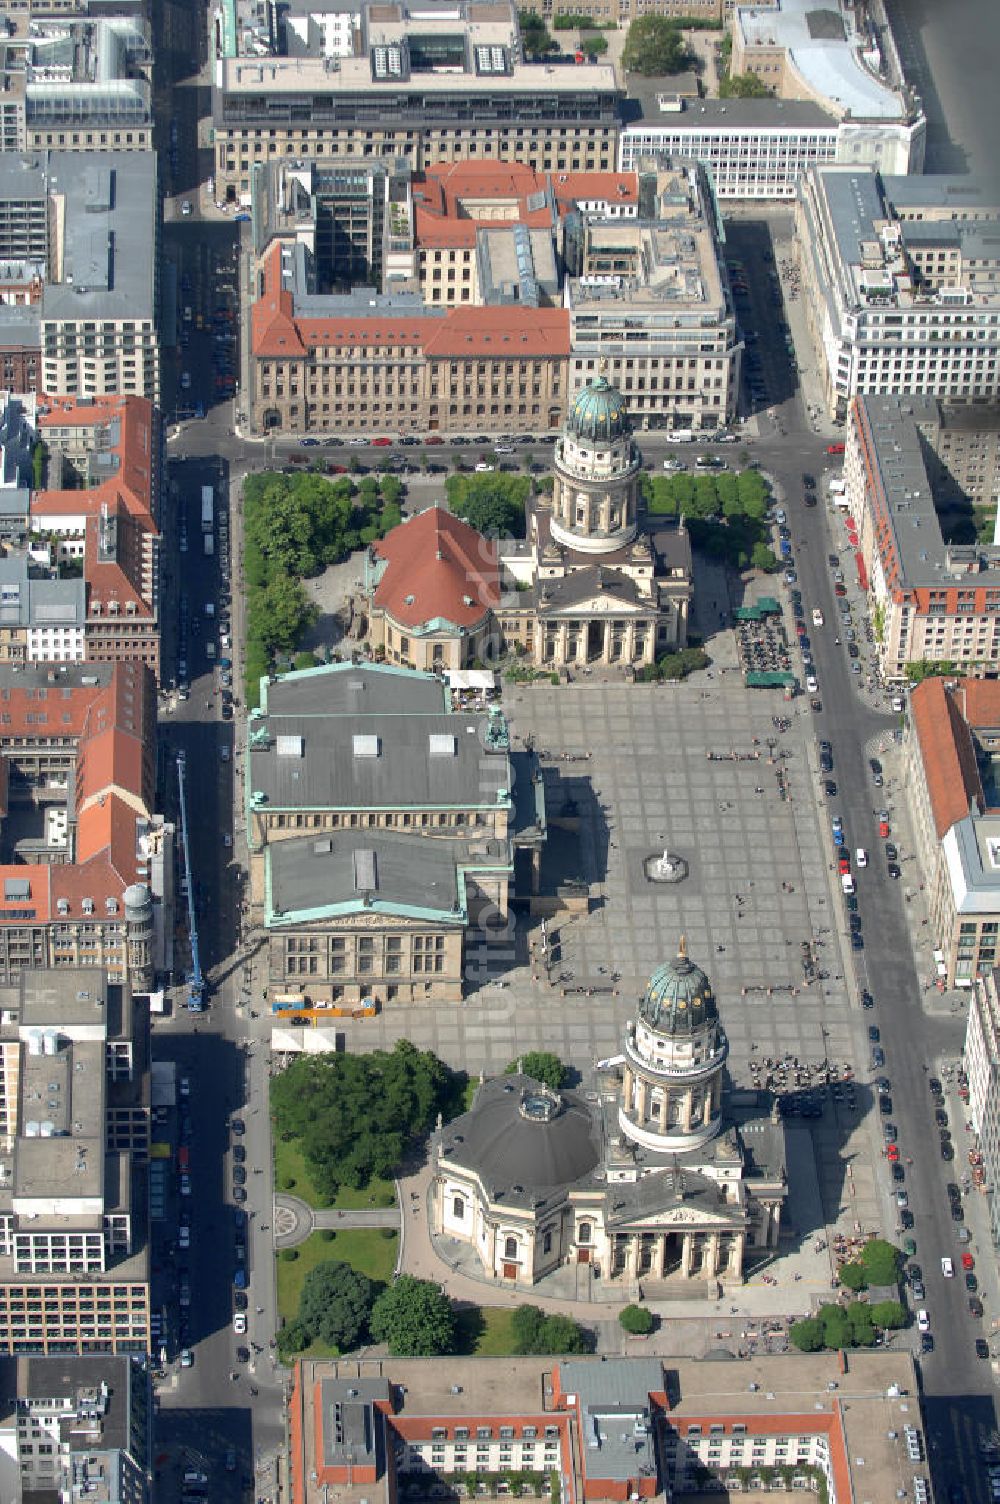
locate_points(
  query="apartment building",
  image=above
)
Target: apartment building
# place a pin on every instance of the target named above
(24, 208)
(20, 344)
(758, 149)
(380, 826)
(649, 304)
(74, 1256)
(901, 284)
(98, 308)
(437, 84)
(930, 600)
(952, 754)
(76, 1427)
(621, 12)
(605, 1428)
(981, 1058)
(75, 83)
(82, 855)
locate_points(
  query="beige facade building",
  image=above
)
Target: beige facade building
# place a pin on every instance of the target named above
(643, 1179)
(422, 86)
(931, 601)
(74, 1247)
(953, 755)
(621, 12)
(381, 829)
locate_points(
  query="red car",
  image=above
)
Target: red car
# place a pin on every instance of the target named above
(892, 1153)
(434, 438)
(800, 627)
(834, 448)
(968, 1262)
(883, 829)
(381, 443)
(844, 865)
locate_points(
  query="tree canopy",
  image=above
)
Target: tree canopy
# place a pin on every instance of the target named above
(534, 1332)
(491, 503)
(355, 1116)
(654, 45)
(636, 1320)
(744, 86)
(535, 38)
(541, 1065)
(335, 1304)
(413, 1318)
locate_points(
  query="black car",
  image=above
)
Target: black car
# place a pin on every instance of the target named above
(239, 1153)
(809, 481)
(935, 1086)
(240, 1300)
(825, 762)
(898, 1173)
(982, 1348)
(941, 1118)
(239, 1193)
(810, 498)
(893, 870)
(867, 1001)
(971, 1283)
(854, 923)
(830, 788)
(878, 1054)
(238, 1125)
(906, 1219)
(857, 940)
(926, 1342)
(975, 1306)
(239, 1175)
(874, 764)
(834, 560)
(954, 1193)
(873, 1034)
(883, 1085)
(948, 1154)
(853, 651)
(889, 1132)
(957, 1210)
(891, 854)
(243, 1354)
(944, 1134)
(885, 1106)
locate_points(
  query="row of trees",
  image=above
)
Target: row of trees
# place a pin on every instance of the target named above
(854, 1325)
(294, 526)
(493, 503)
(726, 514)
(355, 1117)
(673, 666)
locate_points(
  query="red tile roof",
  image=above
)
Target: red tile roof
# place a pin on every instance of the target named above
(506, 333)
(438, 566)
(114, 727)
(947, 753)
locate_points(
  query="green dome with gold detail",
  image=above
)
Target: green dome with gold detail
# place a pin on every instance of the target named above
(597, 413)
(678, 999)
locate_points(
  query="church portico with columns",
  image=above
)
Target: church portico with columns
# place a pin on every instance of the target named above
(642, 1174)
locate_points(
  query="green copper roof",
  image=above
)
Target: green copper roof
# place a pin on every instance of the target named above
(678, 999)
(598, 413)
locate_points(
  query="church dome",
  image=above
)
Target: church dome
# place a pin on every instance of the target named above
(678, 999)
(598, 414)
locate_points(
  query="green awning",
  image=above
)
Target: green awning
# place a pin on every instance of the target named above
(756, 680)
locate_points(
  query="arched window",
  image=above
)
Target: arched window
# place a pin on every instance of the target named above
(547, 1240)
(458, 1208)
(510, 1248)
(584, 1233)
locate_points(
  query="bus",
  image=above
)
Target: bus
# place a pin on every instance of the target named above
(207, 509)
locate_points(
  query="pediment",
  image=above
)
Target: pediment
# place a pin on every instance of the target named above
(606, 604)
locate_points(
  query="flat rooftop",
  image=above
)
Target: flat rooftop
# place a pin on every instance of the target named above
(825, 50)
(107, 236)
(642, 108)
(59, 1151)
(76, 997)
(354, 689)
(277, 76)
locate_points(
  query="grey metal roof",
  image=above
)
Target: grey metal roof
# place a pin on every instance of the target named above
(379, 761)
(20, 323)
(938, 190)
(615, 1414)
(57, 603)
(359, 868)
(729, 114)
(355, 689)
(352, 1431)
(516, 1156)
(78, 1380)
(22, 176)
(110, 236)
(854, 201)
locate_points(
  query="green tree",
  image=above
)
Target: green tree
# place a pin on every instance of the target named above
(292, 1338)
(541, 1065)
(534, 1332)
(806, 1335)
(853, 1277)
(636, 1320)
(859, 1317)
(889, 1314)
(836, 1326)
(654, 46)
(764, 558)
(413, 1318)
(282, 612)
(593, 46)
(744, 86)
(535, 38)
(39, 455)
(335, 1304)
(881, 1261)
(493, 504)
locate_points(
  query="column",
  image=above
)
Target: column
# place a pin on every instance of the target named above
(581, 641)
(642, 1101)
(687, 1249)
(686, 1109)
(606, 652)
(660, 1258)
(562, 649)
(627, 1085)
(628, 651)
(706, 1109)
(632, 1258)
(735, 1266)
(711, 1265)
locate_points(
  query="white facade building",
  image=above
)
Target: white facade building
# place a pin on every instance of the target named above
(982, 1065)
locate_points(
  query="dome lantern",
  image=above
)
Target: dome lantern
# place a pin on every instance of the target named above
(678, 1000)
(598, 415)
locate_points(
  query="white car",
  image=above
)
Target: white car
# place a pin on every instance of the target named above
(923, 1322)
(947, 1268)
(187, 1357)
(240, 1324)
(780, 517)
(861, 857)
(185, 381)
(184, 1237)
(185, 1085)
(186, 206)
(811, 684)
(817, 617)
(483, 468)
(185, 1185)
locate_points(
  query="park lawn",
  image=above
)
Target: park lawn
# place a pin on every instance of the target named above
(290, 1163)
(485, 1332)
(364, 1248)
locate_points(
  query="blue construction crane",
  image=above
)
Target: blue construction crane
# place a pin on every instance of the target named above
(195, 980)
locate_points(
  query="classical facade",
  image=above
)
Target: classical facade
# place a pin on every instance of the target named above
(647, 1180)
(589, 585)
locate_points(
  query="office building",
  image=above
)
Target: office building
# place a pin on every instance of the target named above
(607, 1429)
(20, 345)
(74, 1254)
(382, 827)
(75, 1428)
(78, 835)
(933, 601)
(75, 83)
(758, 149)
(437, 84)
(981, 1059)
(900, 284)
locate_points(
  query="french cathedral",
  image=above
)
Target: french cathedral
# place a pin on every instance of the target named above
(645, 1176)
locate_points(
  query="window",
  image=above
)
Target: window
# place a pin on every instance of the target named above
(458, 1208)
(510, 1248)
(584, 1233)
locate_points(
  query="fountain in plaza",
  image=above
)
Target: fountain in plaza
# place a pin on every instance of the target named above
(666, 868)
